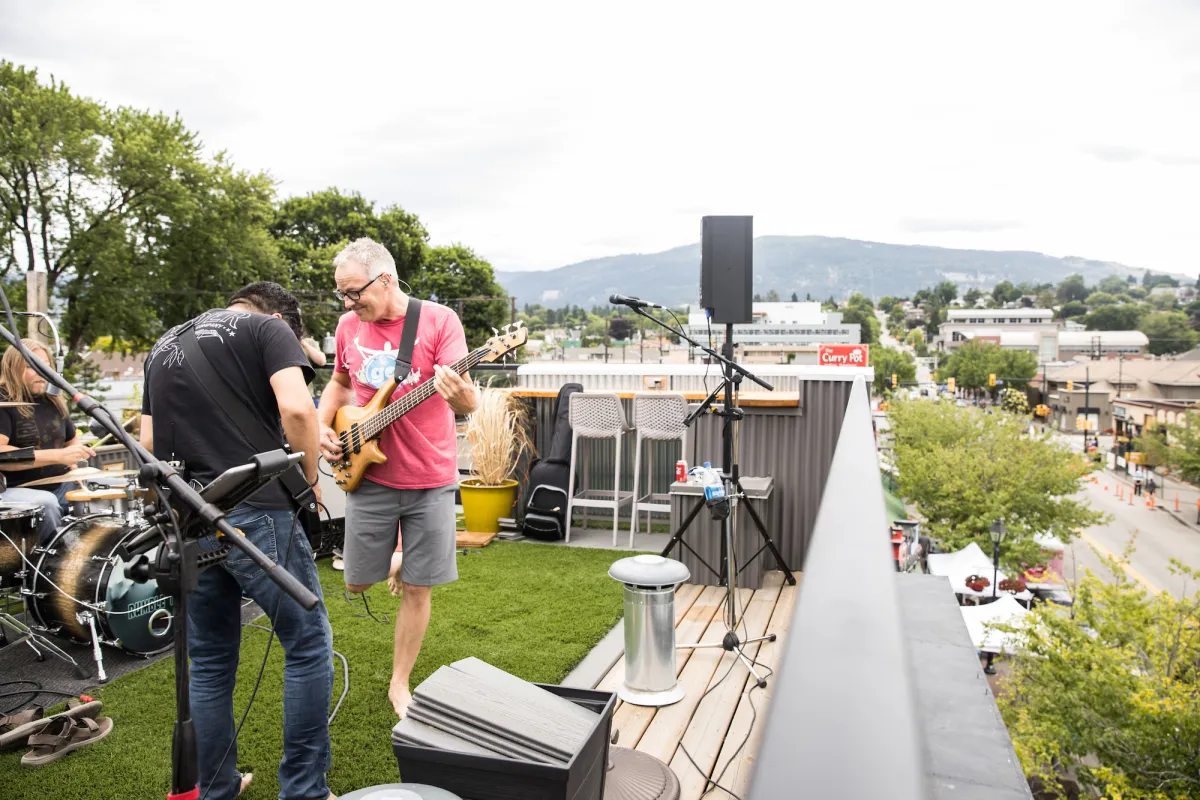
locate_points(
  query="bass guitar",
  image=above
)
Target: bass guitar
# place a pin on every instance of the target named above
(359, 427)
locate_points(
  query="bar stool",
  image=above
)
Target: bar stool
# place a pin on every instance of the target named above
(596, 415)
(658, 417)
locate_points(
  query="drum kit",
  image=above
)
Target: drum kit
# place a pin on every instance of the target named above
(74, 586)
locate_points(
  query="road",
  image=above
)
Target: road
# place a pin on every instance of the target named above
(1159, 538)
(887, 340)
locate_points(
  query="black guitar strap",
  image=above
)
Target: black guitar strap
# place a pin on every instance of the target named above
(253, 431)
(408, 339)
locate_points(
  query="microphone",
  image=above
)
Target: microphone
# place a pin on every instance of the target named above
(632, 302)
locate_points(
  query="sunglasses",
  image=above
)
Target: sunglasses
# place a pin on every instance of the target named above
(355, 294)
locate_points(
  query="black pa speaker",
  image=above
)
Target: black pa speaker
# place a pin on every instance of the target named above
(727, 269)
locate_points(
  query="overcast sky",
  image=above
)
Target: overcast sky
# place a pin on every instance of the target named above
(545, 134)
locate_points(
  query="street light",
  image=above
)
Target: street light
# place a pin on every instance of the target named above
(997, 533)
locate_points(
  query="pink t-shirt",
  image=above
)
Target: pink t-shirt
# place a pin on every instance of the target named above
(421, 446)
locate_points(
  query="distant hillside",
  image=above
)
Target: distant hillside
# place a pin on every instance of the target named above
(816, 265)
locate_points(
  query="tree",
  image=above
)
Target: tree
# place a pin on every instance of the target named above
(1150, 280)
(1100, 299)
(1168, 332)
(964, 470)
(889, 361)
(1112, 285)
(772, 296)
(455, 272)
(1072, 288)
(1162, 301)
(1114, 318)
(972, 297)
(868, 323)
(795, 298)
(1074, 308)
(915, 337)
(310, 230)
(1045, 299)
(1109, 692)
(946, 292)
(1004, 292)
(972, 363)
(1014, 401)
(110, 203)
(1175, 445)
(886, 304)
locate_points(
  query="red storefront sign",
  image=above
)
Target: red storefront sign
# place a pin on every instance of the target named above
(843, 355)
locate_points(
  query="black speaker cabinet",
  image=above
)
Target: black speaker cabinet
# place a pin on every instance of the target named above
(727, 269)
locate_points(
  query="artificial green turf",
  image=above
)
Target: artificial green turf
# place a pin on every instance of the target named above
(534, 610)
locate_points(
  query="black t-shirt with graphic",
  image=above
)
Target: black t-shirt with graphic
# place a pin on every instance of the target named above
(47, 429)
(245, 349)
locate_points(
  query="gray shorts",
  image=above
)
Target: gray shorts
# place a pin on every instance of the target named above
(426, 521)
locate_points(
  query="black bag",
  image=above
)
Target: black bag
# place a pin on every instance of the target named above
(549, 478)
(252, 430)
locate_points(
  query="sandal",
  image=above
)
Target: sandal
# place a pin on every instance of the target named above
(16, 734)
(63, 736)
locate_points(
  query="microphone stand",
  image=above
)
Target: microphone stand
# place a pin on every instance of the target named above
(732, 374)
(178, 556)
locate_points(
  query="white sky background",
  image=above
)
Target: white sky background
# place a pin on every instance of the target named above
(545, 134)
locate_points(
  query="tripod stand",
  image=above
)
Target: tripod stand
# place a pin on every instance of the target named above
(724, 504)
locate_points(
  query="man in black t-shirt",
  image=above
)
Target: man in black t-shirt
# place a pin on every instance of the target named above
(47, 428)
(254, 345)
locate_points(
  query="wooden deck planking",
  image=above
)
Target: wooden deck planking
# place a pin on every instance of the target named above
(705, 736)
(737, 776)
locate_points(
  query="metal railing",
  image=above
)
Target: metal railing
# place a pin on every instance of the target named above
(842, 721)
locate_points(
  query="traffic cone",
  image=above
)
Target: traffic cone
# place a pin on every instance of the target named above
(1131, 498)
(1177, 502)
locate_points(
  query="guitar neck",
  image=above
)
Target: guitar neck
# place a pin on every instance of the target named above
(374, 425)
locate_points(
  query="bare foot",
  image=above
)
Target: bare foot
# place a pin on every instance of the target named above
(394, 573)
(401, 698)
(247, 779)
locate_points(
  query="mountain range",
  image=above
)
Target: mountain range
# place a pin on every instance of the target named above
(816, 266)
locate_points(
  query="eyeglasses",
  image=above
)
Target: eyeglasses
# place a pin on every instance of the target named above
(355, 294)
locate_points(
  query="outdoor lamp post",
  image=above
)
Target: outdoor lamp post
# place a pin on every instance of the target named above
(997, 532)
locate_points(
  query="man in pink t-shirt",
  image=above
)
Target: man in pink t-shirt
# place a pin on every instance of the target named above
(415, 487)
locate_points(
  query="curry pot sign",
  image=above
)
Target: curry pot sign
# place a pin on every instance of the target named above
(843, 355)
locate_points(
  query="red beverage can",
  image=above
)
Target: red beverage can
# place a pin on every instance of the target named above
(681, 471)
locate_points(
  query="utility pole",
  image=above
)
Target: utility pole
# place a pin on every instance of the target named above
(1120, 368)
(1087, 402)
(35, 302)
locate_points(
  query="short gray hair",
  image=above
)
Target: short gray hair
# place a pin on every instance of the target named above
(371, 254)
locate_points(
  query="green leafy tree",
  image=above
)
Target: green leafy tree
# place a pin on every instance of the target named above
(1109, 692)
(964, 470)
(889, 361)
(1168, 332)
(1114, 318)
(868, 323)
(795, 298)
(1072, 309)
(456, 273)
(1162, 302)
(1004, 292)
(1177, 445)
(1150, 280)
(972, 363)
(886, 304)
(1014, 401)
(972, 297)
(1046, 299)
(1112, 285)
(1072, 288)
(946, 291)
(1100, 299)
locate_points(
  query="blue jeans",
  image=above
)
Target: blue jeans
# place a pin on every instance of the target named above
(215, 635)
(52, 500)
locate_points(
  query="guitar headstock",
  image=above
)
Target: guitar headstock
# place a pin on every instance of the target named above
(503, 343)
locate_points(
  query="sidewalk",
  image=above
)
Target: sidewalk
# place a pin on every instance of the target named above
(1164, 498)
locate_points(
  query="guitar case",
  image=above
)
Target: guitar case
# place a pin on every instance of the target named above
(549, 478)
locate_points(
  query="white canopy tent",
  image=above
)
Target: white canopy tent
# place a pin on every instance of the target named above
(960, 565)
(980, 619)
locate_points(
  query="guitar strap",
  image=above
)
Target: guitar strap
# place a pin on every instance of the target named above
(252, 429)
(408, 339)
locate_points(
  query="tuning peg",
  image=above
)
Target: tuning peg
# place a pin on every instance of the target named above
(495, 332)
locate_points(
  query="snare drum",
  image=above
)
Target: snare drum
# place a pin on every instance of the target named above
(82, 561)
(20, 522)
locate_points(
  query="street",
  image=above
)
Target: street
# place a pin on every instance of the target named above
(1160, 537)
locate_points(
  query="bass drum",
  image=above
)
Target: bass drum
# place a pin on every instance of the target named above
(82, 561)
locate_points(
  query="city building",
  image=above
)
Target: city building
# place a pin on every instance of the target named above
(1095, 388)
(780, 332)
(990, 324)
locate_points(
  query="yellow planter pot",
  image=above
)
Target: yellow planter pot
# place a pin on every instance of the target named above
(484, 505)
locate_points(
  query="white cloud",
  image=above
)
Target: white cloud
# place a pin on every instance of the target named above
(543, 134)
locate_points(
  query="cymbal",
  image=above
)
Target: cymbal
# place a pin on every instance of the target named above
(10, 404)
(81, 474)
